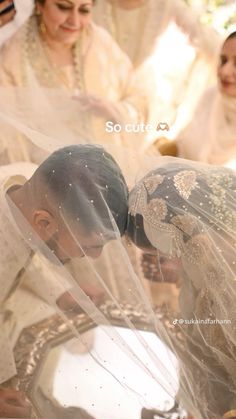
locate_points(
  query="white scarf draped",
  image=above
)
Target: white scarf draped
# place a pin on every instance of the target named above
(211, 135)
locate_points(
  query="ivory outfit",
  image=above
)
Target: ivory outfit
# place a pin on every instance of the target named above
(18, 306)
(138, 32)
(48, 91)
(42, 100)
(211, 135)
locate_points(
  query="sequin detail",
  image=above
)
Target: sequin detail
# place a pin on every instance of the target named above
(185, 182)
(220, 184)
(134, 201)
(156, 210)
(186, 223)
(153, 182)
(197, 250)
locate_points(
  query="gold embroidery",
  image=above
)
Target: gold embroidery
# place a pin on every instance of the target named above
(215, 276)
(49, 75)
(134, 201)
(220, 184)
(185, 182)
(153, 182)
(156, 210)
(197, 250)
(213, 335)
(186, 223)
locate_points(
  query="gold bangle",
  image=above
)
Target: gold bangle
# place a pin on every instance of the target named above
(230, 414)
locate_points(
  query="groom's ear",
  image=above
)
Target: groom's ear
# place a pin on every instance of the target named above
(44, 224)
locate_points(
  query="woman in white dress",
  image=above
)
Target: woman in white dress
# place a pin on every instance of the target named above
(211, 135)
(59, 55)
(138, 27)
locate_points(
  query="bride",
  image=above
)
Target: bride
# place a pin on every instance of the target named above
(186, 212)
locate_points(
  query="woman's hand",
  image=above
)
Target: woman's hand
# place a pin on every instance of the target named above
(13, 404)
(98, 106)
(7, 11)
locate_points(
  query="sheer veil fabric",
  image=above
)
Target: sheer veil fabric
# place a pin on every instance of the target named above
(187, 213)
(112, 272)
(218, 128)
(60, 93)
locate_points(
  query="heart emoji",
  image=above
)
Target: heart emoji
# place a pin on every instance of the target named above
(162, 126)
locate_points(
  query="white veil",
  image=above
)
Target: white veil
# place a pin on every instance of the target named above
(41, 120)
(188, 213)
(202, 256)
(184, 212)
(144, 371)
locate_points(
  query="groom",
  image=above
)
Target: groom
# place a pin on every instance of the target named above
(67, 209)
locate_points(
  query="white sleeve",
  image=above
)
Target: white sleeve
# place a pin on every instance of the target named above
(133, 103)
(45, 281)
(201, 36)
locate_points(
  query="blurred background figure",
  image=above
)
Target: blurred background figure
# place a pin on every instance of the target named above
(172, 51)
(57, 56)
(211, 135)
(7, 12)
(12, 16)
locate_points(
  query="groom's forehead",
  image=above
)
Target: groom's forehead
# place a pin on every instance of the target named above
(92, 237)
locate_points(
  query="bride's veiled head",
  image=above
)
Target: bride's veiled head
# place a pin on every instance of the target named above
(180, 199)
(77, 200)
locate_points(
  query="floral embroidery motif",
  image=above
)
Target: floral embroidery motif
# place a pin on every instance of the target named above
(153, 182)
(197, 250)
(186, 223)
(185, 183)
(156, 210)
(215, 275)
(220, 184)
(135, 201)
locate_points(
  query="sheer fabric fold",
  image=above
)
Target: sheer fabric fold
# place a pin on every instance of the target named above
(187, 215)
